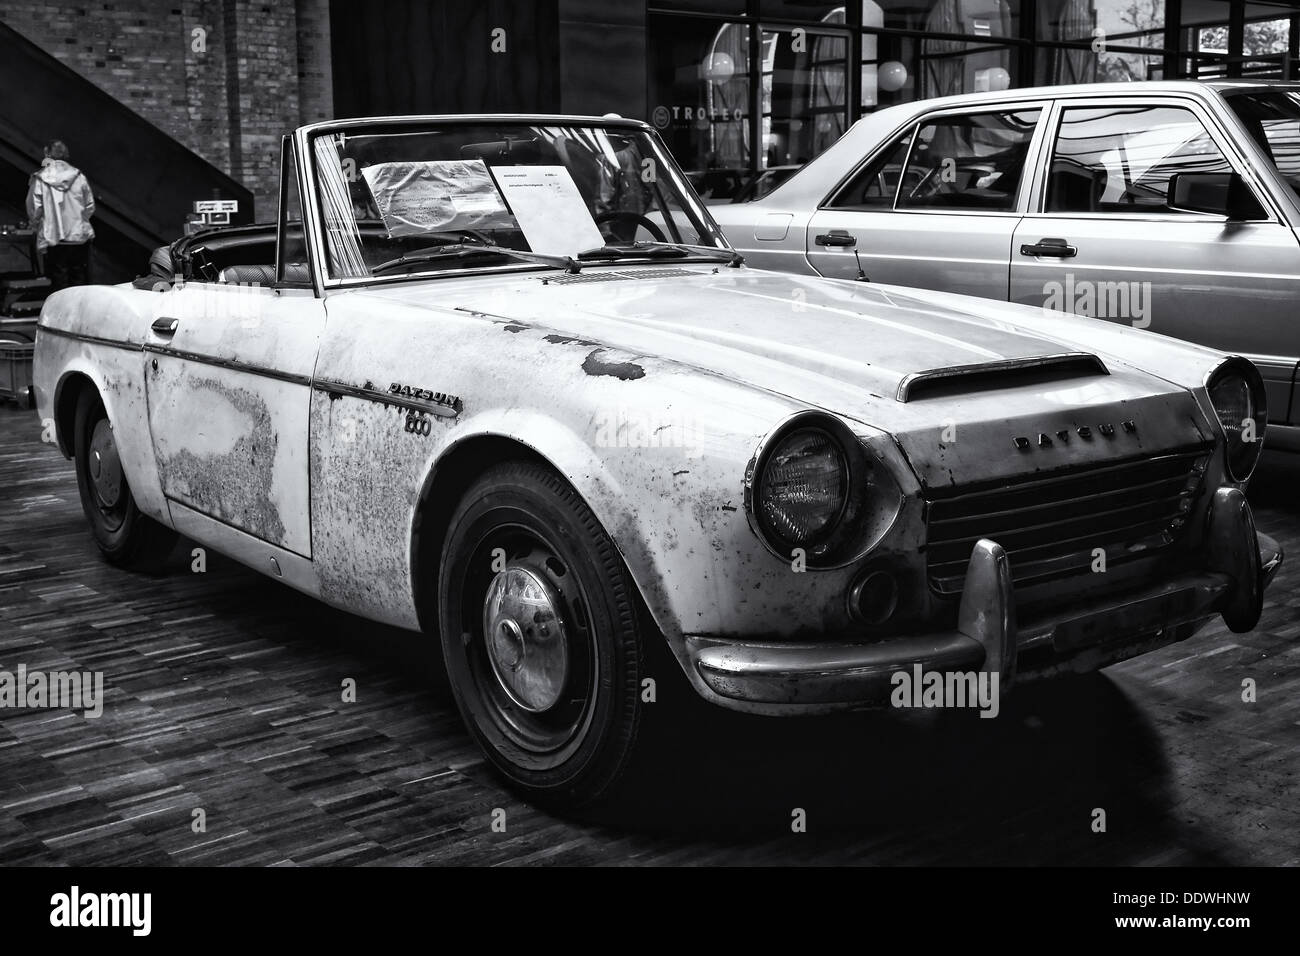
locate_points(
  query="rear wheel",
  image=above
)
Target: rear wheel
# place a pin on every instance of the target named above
(541, 635)
(125, 536)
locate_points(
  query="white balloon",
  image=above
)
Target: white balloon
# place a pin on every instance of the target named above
(999, 79)
(719, 67)
(892, 76)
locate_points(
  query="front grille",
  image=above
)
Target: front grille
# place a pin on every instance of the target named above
(1049, 526)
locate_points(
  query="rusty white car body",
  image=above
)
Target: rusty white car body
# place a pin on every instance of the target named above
(1170, 206)
(557, 462)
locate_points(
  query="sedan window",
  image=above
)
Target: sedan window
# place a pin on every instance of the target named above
(1120, 160)
(876, 184)
(968, 162)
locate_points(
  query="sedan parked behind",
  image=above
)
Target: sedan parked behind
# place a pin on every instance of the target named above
(1168, 206)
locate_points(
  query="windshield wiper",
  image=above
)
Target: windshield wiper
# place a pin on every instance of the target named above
(624, 252)
(662, 250)
(463, 250)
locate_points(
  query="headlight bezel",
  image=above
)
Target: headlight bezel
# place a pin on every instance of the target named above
(853, 533)
(1240, 458)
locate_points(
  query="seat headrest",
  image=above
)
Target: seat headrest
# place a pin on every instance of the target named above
(248, 275)
(264, 274)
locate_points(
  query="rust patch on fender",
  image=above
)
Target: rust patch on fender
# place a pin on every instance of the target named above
(595, 364)
(555, 339)
(709, 508)
(234, 486)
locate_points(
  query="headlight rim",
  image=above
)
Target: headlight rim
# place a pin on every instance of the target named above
(1249, 373)
(847, 532)
(848, 474)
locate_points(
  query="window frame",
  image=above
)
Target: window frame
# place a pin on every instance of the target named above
(881, 153)
(314, 218)
(289, 172)
(1226, 145)
(1041, 103)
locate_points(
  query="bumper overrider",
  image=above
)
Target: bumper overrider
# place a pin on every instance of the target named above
(768, 677)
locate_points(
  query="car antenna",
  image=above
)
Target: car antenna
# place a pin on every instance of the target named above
(862, 276)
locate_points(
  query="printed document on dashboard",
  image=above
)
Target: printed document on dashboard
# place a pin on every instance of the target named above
(549, 209)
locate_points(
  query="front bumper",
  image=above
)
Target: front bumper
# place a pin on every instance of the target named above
(782, 678)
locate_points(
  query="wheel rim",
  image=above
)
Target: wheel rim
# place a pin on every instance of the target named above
(537, 689)
(105, 467)
(523, 628)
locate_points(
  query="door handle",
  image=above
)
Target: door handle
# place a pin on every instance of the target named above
(1050, 248)
(836, 237)
(165, 326)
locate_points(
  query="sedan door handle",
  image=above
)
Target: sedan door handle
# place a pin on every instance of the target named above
(836, 237)
(165, 326)
(1050, 248)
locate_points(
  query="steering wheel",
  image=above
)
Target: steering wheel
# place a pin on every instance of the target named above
(636, 219)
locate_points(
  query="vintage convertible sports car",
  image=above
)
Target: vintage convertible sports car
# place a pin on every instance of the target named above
(500, 379)
(1170, 206)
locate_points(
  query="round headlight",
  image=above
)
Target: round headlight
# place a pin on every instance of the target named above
(1237, 392)
(802, 489)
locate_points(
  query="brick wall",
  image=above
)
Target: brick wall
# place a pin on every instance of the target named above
(315, 74)
(224, 77)
(206, 128)
(260, 39)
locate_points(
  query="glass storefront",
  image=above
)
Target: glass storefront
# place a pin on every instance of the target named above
(739, 87)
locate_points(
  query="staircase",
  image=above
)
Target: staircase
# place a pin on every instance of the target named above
(145, 182)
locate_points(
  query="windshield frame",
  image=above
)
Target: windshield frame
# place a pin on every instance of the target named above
(314, 217)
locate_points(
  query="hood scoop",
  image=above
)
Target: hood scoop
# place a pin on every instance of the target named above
(1006, 373)
(615, 275)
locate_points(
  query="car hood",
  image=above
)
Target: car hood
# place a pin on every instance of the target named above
(774, 330)
(846, 347)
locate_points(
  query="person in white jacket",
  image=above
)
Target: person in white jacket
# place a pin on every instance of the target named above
(59, 206)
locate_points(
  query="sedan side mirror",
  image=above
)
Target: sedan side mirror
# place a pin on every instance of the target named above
(1220, 194)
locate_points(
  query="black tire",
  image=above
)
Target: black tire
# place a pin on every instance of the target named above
(125, 536)
(561, 733)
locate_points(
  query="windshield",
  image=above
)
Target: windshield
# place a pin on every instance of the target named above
(401, 199)
(1273, 118)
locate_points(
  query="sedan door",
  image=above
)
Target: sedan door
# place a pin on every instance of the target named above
(1105, 241)
(936, 208)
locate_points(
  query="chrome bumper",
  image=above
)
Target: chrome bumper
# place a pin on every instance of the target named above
(783, 678)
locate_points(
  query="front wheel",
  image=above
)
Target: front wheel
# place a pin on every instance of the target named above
(541, 635)
(125, 536)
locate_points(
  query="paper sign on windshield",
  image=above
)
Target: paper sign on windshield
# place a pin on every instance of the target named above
(415, 199)
(549, 209)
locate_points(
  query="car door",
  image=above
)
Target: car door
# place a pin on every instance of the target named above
(228, 371)
(1102, 238)
(936, 207)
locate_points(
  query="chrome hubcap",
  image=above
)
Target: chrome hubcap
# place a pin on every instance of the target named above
(105, 466)
(526, 640)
